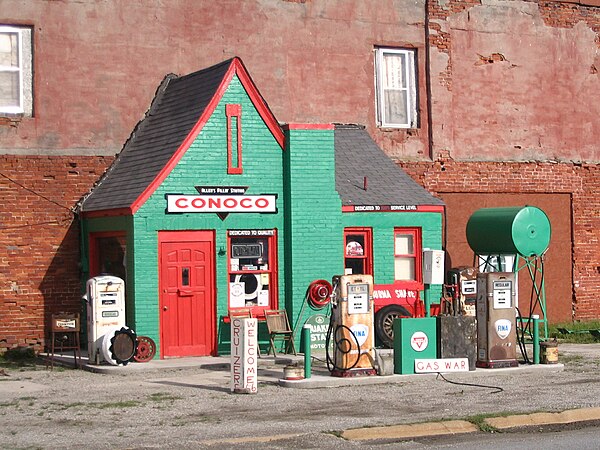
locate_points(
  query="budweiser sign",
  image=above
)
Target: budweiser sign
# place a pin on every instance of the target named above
(265, 203)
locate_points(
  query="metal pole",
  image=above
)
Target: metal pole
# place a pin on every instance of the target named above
(427, 301)
(306, 343)
(536, 339)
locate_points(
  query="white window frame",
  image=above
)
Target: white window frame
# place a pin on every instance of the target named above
(25, 62)
(410, 88)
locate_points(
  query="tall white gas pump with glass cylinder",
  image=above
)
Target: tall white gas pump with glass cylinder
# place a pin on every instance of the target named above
(350, 338)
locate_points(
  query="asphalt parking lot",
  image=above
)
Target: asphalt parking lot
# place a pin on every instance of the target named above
(188, 404)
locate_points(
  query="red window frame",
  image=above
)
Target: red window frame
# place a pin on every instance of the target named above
(234, 157)
(367, 256)
(416, 254)
(256, 311)
(94, 249)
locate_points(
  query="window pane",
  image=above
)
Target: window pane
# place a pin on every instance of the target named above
(111, 254)
(9, 89)
(185, 276)
(394, 73)
(9, 53)
(404, 268)
(396, 107)
(404, 244)
(355, 245)
(356, 264)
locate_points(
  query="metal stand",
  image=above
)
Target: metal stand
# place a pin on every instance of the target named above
(64, 335)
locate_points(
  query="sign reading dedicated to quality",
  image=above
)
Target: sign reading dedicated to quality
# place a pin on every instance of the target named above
(221, 203)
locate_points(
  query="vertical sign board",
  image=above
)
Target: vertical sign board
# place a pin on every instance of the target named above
(244, 353)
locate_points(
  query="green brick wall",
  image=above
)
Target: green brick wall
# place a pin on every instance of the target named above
(205, 163)
(313, 217)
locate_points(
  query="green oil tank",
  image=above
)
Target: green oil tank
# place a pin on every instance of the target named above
(495, 231)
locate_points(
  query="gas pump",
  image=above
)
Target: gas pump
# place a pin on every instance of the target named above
(496, 320)
(350, 337)
(108, 338)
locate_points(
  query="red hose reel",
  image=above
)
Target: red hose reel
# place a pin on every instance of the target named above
(319, 293)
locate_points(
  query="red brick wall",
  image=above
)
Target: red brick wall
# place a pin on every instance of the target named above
(39, 241)
(581, 181)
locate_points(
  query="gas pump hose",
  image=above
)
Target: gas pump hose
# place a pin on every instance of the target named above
(342, 345)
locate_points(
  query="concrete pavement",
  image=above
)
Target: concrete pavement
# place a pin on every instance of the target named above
(215, 372)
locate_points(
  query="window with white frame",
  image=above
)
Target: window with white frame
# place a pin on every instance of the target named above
(396, 89)
(16, 72)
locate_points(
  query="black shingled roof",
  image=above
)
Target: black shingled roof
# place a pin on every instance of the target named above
(358, 156)
(176, 108)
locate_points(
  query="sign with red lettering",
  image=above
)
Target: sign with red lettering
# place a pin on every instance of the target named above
(442, 365)
(393, 291)
(264, 203)
(244, 354)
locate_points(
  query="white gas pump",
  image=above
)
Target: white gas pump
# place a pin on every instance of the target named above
(108, 338)
(496, 320)
(350, 338)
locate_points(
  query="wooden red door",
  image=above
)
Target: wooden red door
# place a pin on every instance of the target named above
(187, 295)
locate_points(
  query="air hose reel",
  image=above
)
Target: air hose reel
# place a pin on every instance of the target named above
(319, 293)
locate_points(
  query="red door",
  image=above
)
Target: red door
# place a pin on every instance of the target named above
(187, 300)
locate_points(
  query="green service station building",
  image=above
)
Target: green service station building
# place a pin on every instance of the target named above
(212, 206)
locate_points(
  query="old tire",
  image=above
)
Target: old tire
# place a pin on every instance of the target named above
(384, 323)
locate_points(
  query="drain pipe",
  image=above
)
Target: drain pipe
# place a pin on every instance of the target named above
(428, 83)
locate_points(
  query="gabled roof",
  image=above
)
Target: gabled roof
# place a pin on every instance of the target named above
(357, 156)
(180, 109)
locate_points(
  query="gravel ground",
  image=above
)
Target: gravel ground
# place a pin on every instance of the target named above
(193, 408)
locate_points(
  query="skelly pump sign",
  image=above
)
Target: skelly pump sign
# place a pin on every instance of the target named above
(219, 199)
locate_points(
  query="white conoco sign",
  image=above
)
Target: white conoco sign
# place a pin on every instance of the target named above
(265, 203)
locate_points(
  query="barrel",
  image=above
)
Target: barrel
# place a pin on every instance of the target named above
(512, 230)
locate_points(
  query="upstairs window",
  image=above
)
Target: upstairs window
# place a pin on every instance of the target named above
(396, 89)
(15, 71)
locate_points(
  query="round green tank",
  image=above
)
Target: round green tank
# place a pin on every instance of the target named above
(495, 231)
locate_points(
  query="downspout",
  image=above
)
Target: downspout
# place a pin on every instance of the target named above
(428, 82)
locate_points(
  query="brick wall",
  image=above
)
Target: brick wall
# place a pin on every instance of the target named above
(39, 241)
(581, 181)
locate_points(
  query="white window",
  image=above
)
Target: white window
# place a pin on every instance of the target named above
(396, 88)
(15, 70)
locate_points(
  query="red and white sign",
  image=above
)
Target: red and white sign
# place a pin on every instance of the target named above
(419, 341)
(391, 291)
(265, 203)
(442, 365)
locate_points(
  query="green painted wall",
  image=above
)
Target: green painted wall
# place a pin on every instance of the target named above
(313, 216)
(309, 221)
(205, 164)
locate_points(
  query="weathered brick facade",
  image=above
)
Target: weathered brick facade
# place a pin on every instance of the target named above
(40, 271)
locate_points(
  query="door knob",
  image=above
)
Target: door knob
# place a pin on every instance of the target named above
(165, 308)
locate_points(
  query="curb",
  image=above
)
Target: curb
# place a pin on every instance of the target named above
(537, 419)
(410, 430)
(452, 427)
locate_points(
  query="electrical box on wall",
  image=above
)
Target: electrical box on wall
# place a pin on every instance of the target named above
(433, 266)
